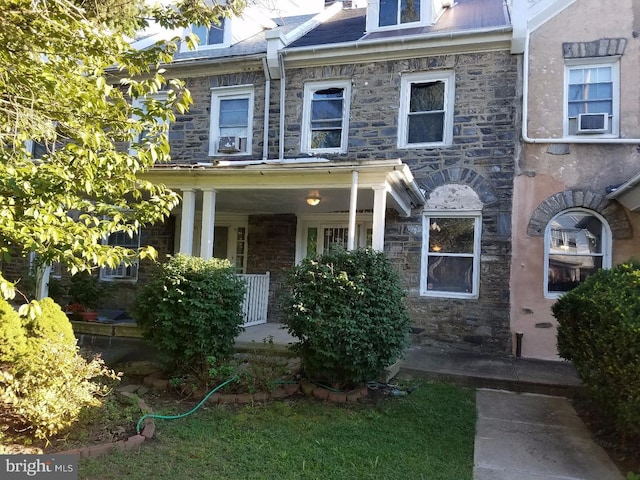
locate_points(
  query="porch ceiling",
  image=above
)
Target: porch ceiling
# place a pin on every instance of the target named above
(268, 188)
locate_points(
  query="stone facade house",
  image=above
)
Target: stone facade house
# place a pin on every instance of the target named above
(576, 180)
(391, 125)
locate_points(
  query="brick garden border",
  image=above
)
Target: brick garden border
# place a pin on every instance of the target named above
(149, 427)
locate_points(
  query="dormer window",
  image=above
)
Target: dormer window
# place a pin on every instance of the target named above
(397, 12)
(212, 36)
(392, 14)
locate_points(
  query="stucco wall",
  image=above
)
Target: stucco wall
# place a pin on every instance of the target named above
(544, 170)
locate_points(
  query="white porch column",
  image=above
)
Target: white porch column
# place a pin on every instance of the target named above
(379, 210)
(208, 223)
(351, 240)
(188, 220)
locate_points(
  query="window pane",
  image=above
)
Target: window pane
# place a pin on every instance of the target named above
(426, 128)
(451, 235)
(575, 250)
(326, 138)
(450, 274)
(326, 109)
(312, 241)
(568, 271)
(234, 112)
(201, 32)
(335, 237)
(426, 97)
(410, 11)
(216, 34)
(388, 13)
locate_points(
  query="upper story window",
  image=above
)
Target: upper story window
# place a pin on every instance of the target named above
(450, 254)
(213, 36)
(577, 244)
(426, 110)
(325, 121)
(231, 120)
(592, 98)
(143, 106)
(37, 149)
(391, 14)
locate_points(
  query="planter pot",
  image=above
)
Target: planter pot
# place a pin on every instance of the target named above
(89, 316)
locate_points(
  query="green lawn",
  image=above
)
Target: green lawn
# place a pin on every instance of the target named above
(426, 435)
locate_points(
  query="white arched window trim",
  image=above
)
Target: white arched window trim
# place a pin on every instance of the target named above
(605, 253)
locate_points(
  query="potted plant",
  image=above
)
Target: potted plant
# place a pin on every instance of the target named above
(85, 292)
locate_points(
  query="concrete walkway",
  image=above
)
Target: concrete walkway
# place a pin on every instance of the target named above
(537, 437)
(526, 427)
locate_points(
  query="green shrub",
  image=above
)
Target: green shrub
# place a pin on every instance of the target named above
(599, 331)
(348, 313)
(191, 309)
(44, 381)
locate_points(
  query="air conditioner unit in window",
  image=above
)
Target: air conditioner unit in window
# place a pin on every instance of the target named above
(229, 144)
(593, 122)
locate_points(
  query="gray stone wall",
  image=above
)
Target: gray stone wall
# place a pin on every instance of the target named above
(482, 156)
(189, 135)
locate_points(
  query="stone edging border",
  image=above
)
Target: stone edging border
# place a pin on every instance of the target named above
(149, 427)
(146, 433)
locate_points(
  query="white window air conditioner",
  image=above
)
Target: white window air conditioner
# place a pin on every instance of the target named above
(229, 144)
(593, 122)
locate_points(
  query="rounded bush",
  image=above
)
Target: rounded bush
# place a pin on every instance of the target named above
(347, 311)
(191, 311)
(599, 331)
(44, 381)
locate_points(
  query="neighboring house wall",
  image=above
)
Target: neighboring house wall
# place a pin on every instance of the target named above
(481, 157)
(552, 178)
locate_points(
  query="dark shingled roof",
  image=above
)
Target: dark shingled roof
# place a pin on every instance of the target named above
(348, 25)
(465, 15)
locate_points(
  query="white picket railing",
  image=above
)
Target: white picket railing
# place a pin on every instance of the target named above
(256, 300)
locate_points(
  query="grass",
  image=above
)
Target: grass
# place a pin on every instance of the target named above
(426, 435)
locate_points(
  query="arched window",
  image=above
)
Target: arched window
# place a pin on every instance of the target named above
(577, 244)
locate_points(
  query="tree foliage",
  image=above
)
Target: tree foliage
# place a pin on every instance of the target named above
(71, 81)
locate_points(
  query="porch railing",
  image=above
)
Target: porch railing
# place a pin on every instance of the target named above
(256, 300)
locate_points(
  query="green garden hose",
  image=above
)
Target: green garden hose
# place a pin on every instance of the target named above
(175, 417)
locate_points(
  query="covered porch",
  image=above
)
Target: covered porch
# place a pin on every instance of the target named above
(267, 216)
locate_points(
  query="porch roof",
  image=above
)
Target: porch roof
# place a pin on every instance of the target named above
(628, 194)
(282, 186)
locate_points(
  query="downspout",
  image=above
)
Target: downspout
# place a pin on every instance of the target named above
(525, 111)
(267, 96)
(283, 84)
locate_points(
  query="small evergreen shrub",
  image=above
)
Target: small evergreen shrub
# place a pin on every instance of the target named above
(44, 381)
(347, 311)
(191, 310)
(599, 331)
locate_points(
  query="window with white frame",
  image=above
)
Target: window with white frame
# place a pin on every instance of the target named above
(451, 254)
(426, 110)
(592, 97)
(231, 120)
(389, 14)
(325, 118)
(123, 271)
(141, 105)
(212, 36)
(577, 244)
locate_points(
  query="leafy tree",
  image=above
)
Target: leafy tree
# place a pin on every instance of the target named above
(70, 81)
